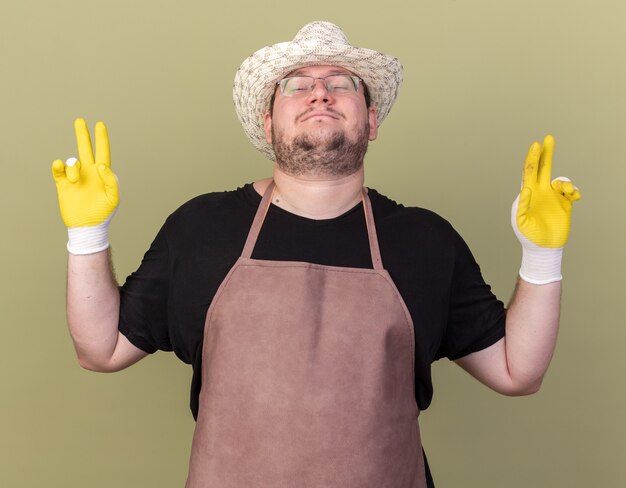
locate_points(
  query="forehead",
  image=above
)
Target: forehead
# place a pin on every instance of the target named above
(322, 70)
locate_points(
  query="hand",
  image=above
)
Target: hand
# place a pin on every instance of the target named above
(540, 216)
(88, 191)
(87, 188)
(544, 208)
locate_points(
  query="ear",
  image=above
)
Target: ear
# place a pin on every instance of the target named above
(267, 125)
(373, 120)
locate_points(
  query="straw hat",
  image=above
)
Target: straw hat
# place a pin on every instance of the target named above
(317, 43)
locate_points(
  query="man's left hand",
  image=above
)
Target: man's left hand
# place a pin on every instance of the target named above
(541, 215)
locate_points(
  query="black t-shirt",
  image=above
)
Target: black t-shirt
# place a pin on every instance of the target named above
(164, 303)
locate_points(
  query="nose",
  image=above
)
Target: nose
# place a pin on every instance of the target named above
(320, 92)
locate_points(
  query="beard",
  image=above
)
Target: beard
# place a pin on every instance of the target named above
(320, 152)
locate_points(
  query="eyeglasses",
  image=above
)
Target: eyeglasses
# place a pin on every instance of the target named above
(299, 86)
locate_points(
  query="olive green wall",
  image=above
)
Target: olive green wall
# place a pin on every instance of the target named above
(483, 79)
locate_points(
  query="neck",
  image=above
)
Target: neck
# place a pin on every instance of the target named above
(315, 197)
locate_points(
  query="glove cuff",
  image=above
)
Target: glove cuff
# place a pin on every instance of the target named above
(88, 240)
(540, 265)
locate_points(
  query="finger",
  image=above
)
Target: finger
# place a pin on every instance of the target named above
(575, 195)
(529, 178)
(58, 170)
(83, 141)
(72, 170)
(545, 161)
(111, 186)
(565, 187)
(103, 151)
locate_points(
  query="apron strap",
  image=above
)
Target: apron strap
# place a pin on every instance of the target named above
(264, 206)
(377, 261)
(258, 221)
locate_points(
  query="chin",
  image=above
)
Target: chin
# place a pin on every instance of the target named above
(320, 133)
(325, 139)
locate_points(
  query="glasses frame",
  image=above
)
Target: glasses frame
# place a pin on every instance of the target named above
(283, 82)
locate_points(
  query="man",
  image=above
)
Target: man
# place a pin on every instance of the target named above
(310, 308)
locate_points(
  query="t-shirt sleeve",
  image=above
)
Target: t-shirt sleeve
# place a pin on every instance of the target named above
(144, 299)
(476, 317)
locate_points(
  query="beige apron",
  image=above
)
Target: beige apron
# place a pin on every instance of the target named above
(307, 377)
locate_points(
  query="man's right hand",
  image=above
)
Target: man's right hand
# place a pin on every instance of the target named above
(88, 191)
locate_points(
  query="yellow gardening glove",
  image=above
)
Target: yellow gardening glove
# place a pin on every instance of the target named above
(88, 191)
(541, 215)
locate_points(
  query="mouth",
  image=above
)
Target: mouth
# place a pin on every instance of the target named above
(318, 114)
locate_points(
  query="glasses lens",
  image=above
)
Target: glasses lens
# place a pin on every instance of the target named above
(296, 85)
(340, 84)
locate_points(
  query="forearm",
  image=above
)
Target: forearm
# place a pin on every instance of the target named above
(532, 324)
(93, 303)
(516, 364)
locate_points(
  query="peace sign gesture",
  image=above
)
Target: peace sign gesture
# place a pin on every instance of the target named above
(541, 214)
(88, 190)
(545, 206)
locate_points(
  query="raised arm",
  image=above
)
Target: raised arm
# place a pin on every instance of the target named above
(540, 217)
(88, 198)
